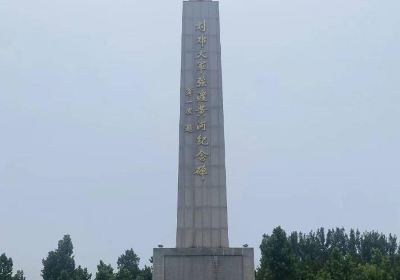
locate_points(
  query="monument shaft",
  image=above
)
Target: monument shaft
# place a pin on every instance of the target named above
(202, 248)
(202, 202)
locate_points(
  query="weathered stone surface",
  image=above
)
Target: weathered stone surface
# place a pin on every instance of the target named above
(202, 243)
(203, 264)
(202, 207)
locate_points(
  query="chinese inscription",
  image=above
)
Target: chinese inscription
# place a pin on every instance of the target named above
(196, 103)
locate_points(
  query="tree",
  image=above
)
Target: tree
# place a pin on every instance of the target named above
(124, 274)
(82, 274)
(19, 275)
(338, 266)
(277, 260)
(145, 274)
(60, 263)
(104, 272)
(128, 266)
(334, 256)
(370, 241)
(371, 272)
(6, 267)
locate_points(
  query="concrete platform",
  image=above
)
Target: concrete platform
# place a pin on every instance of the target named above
(203, 264)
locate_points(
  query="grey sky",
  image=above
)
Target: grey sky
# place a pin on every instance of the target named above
(89, 108)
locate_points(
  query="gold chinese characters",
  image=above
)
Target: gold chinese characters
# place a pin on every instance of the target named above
(201, 98)
(196, 103)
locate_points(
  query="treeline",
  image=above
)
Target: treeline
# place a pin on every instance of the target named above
(331, 255)
(60, 265)
(320, 255)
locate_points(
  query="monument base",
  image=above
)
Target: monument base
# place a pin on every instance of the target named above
(203, 264)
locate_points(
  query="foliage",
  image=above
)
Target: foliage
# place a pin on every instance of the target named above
(104, 272)
(334, 255)
(19, 275)
(278, 260)
(82, 274)
(60, 263)
(6, 267)
(319, 255)
(145, 274)
(128, 266)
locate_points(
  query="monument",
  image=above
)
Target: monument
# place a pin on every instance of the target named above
(202, 246)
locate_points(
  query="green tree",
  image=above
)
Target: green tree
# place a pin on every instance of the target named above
(331, 256)
(145, 274)
(60, 263)
(371, 241)
(19, 275)
(338, 267)
(124, 274)
(82, 274)
(370, 272)
(352, 244)
(104, 272)
(128, 266)
(6, 267)
(277, 260)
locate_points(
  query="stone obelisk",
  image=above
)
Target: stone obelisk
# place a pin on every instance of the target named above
(202, 246)
(202, 209)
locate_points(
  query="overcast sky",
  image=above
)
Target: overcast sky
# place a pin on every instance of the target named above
(89, 108)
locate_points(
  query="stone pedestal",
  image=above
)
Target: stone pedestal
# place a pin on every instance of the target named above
(203, 264)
